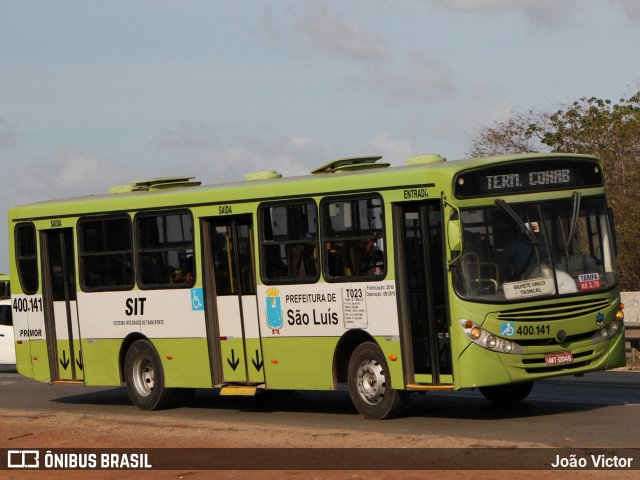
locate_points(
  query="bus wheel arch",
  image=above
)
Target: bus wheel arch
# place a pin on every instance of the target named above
(369, 383)
(344, 349)
(124, 348)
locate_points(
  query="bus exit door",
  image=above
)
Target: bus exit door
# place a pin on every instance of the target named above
(422, 293)
(230, 300)
(60, 309)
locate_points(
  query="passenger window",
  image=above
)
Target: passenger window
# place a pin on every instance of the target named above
(289, 242)
(106, 254)
(165, 250)
(353, 239)
(26, 257)
(5, 316)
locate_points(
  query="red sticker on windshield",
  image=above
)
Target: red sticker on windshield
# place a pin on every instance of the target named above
(589, 281)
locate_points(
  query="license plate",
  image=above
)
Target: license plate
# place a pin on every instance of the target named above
(558, 358)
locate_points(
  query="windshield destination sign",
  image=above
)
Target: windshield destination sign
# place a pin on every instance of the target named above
(527, 177)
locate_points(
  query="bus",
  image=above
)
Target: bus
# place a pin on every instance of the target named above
(488, 273)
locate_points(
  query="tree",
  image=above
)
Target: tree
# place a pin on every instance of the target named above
(610, 131)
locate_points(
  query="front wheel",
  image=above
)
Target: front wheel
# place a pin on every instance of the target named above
(145, 378)
(370, 384)
(507, 394)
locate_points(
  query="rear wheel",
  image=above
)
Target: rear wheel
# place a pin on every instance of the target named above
(145, 378)
(370, 384)
(507, 394)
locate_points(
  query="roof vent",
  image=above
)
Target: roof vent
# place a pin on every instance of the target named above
(263, 175)
(159, 183)
(349, 164)
(425, 159)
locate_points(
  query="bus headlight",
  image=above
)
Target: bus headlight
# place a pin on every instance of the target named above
(476, 332)
(604, 333)
(614, 327)
(489, 341)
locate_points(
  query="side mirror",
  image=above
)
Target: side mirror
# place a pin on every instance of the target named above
(455, 232)
(454, 235)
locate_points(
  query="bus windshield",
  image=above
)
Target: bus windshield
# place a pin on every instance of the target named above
(527, 250)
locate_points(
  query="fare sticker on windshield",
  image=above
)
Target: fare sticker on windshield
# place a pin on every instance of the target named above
(529, 288)
(589, 281)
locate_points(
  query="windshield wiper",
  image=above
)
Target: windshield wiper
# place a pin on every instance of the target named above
(574, 218)
(523, 227)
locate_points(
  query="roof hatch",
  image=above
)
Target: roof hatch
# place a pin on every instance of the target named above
(263, 175)
(155, 184)
(349, 164)
(425, 159)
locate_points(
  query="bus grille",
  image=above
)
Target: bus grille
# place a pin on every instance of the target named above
(554, 312)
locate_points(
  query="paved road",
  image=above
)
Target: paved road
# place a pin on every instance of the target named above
(597, 410)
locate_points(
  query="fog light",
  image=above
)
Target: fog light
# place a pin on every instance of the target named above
(476, 332)
(491, 341)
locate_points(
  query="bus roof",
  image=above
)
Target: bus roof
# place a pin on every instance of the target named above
(343, 175)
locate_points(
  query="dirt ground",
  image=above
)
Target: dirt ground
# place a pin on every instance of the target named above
(23, 429)
(33, 429)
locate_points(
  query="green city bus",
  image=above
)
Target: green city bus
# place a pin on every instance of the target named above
(486, 273)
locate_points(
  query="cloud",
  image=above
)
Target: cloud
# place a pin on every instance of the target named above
(187, 135)
(393, 149)
(424, 79)
(290, 156)
(331, 33)
(537, 11)
(630, 7)
(7, 136)
(65, 172)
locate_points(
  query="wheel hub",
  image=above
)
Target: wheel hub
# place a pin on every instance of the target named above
(371, 381)
(143, 376)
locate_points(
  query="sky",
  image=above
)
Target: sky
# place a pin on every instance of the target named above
(95, 94)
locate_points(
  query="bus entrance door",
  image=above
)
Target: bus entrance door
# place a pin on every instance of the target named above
(60, 308)
(422, 294)
(232, 312)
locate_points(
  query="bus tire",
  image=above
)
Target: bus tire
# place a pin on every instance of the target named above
(145, 377)
(507, 394)
(370, 386)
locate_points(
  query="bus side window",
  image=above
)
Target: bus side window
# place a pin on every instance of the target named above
(5, 315)
(289, 239)
(353, 238)
(165, 246)
(26, 257)
(105, 253)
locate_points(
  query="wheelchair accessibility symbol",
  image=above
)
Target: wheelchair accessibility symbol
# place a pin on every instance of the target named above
(507, 329)
(197, 299)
